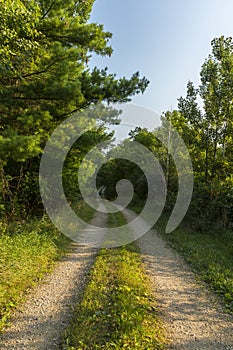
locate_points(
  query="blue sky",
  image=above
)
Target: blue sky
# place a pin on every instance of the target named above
(166, 40)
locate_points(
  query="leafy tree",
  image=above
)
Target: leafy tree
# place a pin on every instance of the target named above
(45, 78)
(210, 134)
(207, 132)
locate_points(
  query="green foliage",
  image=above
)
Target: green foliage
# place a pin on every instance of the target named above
(210, 136)
(207, 133)
(115, 170)
(44, 78)
(83, 210)
(71, 177)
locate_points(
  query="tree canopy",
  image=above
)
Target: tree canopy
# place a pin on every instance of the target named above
(45, 48)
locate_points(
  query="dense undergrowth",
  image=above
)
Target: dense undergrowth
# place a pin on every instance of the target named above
(28, 250)
(118, 310)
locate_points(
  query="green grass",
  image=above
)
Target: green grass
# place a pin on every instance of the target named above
(210, 256)
(27, 252)
(83, 210)
(118, 310)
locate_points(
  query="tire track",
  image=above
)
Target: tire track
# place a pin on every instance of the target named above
(192, 315)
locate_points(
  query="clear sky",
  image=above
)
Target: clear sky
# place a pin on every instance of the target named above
(165, 40)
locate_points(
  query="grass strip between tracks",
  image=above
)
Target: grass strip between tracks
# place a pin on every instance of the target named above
(118, 309)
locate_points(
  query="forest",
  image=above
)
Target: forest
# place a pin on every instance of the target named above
(45, 78)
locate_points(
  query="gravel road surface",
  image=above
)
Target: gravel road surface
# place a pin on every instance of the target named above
(192, 315)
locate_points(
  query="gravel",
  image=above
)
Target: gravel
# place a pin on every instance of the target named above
(39, 323)
(192, 315)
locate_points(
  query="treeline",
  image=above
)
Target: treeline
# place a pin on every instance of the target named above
(45, 48)
(204, 119)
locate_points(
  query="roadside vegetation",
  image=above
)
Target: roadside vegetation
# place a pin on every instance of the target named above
(28, 250)
(118, 309)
